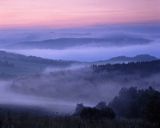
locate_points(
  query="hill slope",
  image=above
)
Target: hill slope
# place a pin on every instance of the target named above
(125, 59)
(15, 64)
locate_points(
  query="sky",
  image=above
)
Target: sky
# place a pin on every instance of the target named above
(40, 20)
(71, 13)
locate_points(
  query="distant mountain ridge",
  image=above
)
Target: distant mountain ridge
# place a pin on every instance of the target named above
(125, 59)
(62, 43)
(143, 57)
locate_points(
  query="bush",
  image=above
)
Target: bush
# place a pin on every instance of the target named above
(100, 111)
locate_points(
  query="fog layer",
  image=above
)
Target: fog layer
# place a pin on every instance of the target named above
(83, 44)
(69, 87)
(11, 98)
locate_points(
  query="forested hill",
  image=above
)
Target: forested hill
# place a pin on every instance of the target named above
(126, 59)
(144, 68)
(15, 64)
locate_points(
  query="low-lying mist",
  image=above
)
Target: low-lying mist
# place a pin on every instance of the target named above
(12, 98)
(59, 90)
(92, 43)
(90, 53)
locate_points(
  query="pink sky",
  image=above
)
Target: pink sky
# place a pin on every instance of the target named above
(68, 13)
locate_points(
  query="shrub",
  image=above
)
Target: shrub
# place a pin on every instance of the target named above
(100, 111)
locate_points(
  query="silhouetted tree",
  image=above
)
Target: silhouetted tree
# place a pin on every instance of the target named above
(101, 105)
(78, 109)
(134, 103)
(100, 111)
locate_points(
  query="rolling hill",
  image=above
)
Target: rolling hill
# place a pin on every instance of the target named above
(125, 59)
(12, 64)
(62, 43)
(15, 64)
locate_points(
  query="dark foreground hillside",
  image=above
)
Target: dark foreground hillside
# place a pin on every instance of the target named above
(126, 106)
(28, 121)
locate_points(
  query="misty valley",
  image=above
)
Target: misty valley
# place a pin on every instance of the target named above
(74, 92)
(79, 64)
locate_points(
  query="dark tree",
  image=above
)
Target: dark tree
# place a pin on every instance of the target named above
(100, 111)
(134, 103)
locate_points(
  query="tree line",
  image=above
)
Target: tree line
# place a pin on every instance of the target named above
(131, 103)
